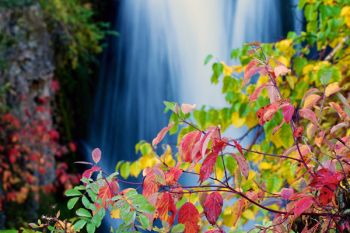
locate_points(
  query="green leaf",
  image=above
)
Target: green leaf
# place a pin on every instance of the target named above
(125, 170)
(79, 225)
(86, 202)
(178, 228)
(345, 102)
(144, 221)
(92, 195)
(83, 213)
(207, 59)
(72, 193)
(90, 228)
(170, 106)
(71, 203)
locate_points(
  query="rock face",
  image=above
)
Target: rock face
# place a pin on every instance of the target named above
(27, 67)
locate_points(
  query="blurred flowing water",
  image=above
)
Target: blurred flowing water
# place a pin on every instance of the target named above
(159, 56)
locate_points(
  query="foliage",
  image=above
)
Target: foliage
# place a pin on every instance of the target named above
(26, 141)
(288, 172)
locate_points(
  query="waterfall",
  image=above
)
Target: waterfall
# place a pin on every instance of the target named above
(159, 56)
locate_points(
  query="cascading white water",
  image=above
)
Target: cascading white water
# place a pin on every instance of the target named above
(159, 56)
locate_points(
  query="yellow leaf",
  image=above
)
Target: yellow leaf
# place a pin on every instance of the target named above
(345, 12)
(237, 121)
(115, 213)
(228, 70)
(135, 168)
(311, 100)
(249, 214)
(251, 120)
(265, 165)
(167, 157)
(331, 89)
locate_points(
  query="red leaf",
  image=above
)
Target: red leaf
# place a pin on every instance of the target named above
(251, 69)
(187, 144)
(212, 133)
(215, 231)
(166, 208)
(309, 115)
(257, 92)
(173, 175)
(242, 164)
(189, 216)
(213, 207)
(287, 111)
(302, 205)
(107, 191)
(207, 167)
(325, 177)
(161, 134)
(238, 147)
(266, 113)
(88, 173)
(96, 155)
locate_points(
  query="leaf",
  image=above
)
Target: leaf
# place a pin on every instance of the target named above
(331, 89)
(143, 219)
(187, 144)
(251, 69)
(242, 164)
(207, 59)
(115, 213)
(88, 173)
(179, 228)
(107, 191)
(207, 167)
(166, 207)
(257, 92)
(96, 155)
(287, 111)
(339, 126)
(272, 92)
(71, 203)
(286, 193)
(205, 141)
(281, 70)
(161, 134)
(238, 147)
(90, 228)
(173, 175)
(309, 115)
(311, 100)
(79, 225)
(213, 207)
(83, 213)
(72, 193)
(189, 216)
(151, 182)
(302, 205)
(187, 108)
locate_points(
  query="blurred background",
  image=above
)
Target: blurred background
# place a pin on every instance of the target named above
(80, 74)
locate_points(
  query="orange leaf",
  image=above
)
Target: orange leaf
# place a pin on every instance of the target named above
(166, 208)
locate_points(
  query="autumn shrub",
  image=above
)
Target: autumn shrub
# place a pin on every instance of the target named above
(286, 173)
